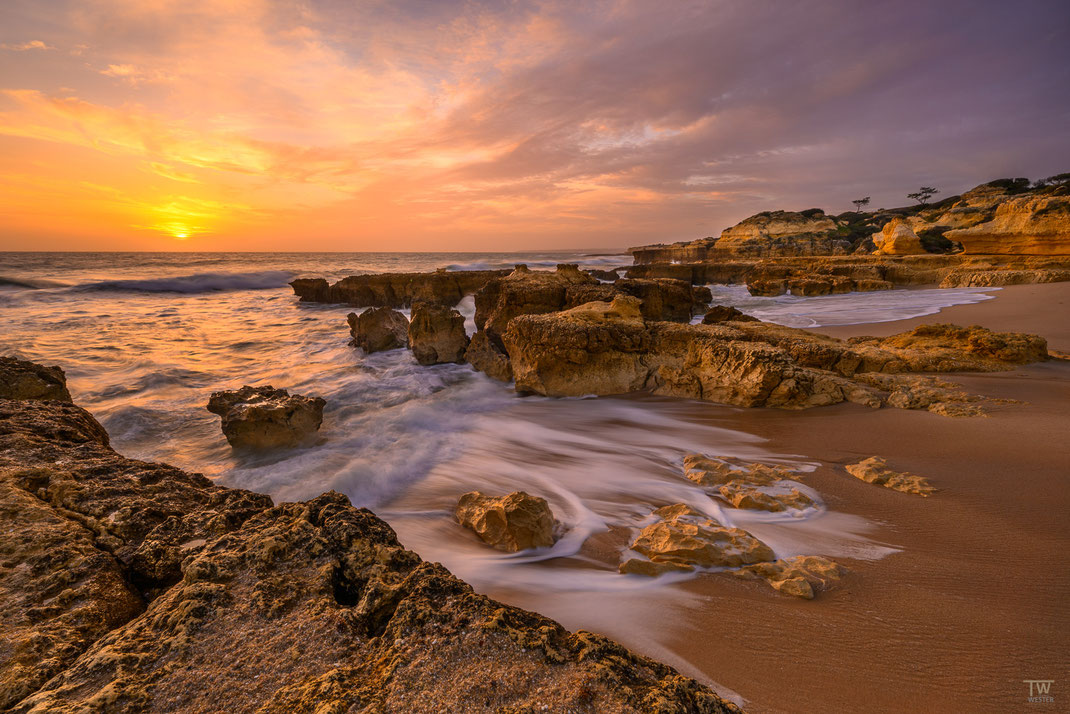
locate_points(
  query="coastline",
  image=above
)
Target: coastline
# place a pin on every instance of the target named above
(972, 603)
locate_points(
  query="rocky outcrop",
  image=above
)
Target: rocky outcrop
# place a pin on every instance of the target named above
(608, 348)
(526, 292)
(724, 313)
(486, 357)
(661, 298)
(756, 486)
(874, 470)
(607, 275)
(683, 252)
(396, 290)
(1023, 225)
(267, 418)
(378, 329)
(509, 523)
(130, 586)
(436, 334)
(20, 379)
(92, 538)
(782, 233)
(683, 539)
(897, 238)
(799, 576)
(985, 278)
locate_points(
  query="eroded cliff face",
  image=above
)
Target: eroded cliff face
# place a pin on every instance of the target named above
(1021, 226)
(1003, 217)
(780, 234)
(131, 586)
(396, 290)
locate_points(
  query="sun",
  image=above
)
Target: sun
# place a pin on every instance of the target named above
(181, 236)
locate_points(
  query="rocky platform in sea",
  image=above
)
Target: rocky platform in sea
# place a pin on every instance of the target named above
(131, 586)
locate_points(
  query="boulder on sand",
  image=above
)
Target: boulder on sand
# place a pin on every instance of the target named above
(378, 329)
(515, 522)
(267, 418)
(436, 334)
(874, 470)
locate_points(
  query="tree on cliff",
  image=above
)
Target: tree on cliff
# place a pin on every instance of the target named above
(923, 194)
(860, 203)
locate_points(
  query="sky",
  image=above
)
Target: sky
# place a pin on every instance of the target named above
(449, 125)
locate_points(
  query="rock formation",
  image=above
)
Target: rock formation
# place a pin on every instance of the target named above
(683, 539)
(874, 470)
(436, 334)
(486, 357)
(267, 418)
(1025, 225)
(782, 233)
(608, 348)
(525, 292)
(509, 523)
(378, 329)
(20, 379)
(130, 586)
(897, 238)
(724, 313)
(800, 576)
(396, 290)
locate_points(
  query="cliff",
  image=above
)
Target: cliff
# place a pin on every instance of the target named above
(131, 586)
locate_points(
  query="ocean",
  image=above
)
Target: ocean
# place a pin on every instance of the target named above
(145, 338)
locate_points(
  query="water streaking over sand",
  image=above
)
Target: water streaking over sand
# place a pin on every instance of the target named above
(848, 308)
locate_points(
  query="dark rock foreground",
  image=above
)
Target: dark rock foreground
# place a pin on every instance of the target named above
(130, 586)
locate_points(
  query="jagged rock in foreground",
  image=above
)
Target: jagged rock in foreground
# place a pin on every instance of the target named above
(20, 379)
(396, 290)
(436, 334)
(267, 418)
(874, 470)
(510, 523)
(526, 292)
(608, 348)
(140, 587)
(378, 329)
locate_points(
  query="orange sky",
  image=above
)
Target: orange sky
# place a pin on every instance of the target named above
(411, 125)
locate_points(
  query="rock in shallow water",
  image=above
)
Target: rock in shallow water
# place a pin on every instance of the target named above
(800, 576)
(436, 334)
(510, 523)
(378, 329)
(267, 418)
(485, 357)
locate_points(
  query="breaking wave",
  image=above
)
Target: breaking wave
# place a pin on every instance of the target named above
(197, 283)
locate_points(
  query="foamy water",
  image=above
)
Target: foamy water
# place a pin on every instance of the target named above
(145, 339)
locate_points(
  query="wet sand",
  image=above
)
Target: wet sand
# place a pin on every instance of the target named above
(977, 600)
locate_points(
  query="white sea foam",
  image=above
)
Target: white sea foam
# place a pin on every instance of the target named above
(847, 308)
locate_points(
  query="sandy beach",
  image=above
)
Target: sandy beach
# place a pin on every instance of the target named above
(976, 599)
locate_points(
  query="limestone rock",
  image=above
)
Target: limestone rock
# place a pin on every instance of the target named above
(396, 290)
(897, 238)
(267, 418)
(484, 356)
(1022, 225)
(744, 495)
(608, 275)
(874, 470)
(661, 299)
(436, 334)
(378, 329)
(724, 313)
(782, 233)
(129, 586)
(800, 576)
(683, 539)
(509, 523)
(20, 379)
(525, 292)
(92, 537)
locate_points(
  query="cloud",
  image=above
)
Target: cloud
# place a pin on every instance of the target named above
(31, 45)
(555, 121)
